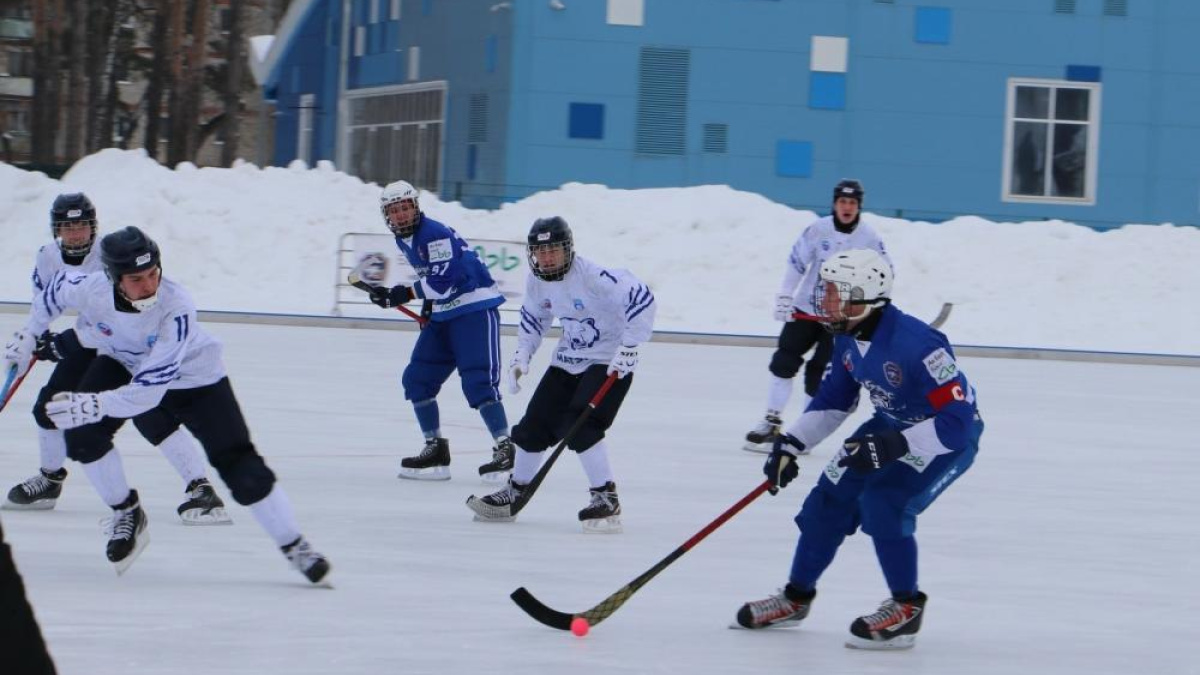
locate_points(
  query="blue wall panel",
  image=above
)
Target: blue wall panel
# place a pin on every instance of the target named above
(932, 25)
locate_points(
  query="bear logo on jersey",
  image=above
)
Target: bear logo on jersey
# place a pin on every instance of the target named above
(578, 304)
(581, 333)
(893, 373)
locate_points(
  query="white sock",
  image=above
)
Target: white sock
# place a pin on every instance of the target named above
(107, 475)
(52, 446)
(525, 465)
(274, 513)
(183, 454)
(595, 464)
(778, 392)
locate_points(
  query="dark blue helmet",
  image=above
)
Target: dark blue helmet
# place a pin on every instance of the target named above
(68, 211)
(848, 187)
(128, 251)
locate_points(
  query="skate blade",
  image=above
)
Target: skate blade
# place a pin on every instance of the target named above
(495, 477)
(610, 525)
(486, 513)
(40, 505)
(216, 516)
(432, 473)
(760, 448)
(782, 624)
(142, 540)
(896, 643)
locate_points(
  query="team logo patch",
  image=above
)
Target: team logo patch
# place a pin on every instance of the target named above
(847, 362)
(825, 245)
(103, 328)
(578, 304)
(151, 340)
(893, 373)
(143, 259)
(373, 268)
(941, 366)
(545, 304)
(440, 250)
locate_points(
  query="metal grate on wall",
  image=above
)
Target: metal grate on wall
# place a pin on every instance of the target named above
(663, 74)
(716, 138)
(477, 124)
(1115, 8)
(1064, 6)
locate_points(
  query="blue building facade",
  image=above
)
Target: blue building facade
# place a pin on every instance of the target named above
(1084, 110)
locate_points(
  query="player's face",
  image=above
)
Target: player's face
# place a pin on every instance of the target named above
(141, 285)
(550, 257)
(836, 307)
(73, 233)
(401, 215)
(846, 209)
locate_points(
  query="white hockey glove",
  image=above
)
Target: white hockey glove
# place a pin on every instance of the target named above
(516, 368)
(624, 362)
(784, 308)
(19, 352)
(69, 410)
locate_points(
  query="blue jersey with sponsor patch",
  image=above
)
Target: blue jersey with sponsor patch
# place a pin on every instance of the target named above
(909, 371)
(451, 273)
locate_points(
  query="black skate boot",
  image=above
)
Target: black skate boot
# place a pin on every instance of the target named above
(603, 515)
(894, 626)
(127, 532)
(432, 464)
(496, 471)
(311, 564)
(787, 607)
(38, 493)
(203, 506)
(760, 437)
(497, 507)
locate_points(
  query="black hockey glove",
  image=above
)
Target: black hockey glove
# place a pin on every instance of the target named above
(388, 298)
(55, 347)
(781, 465)
(873, 451)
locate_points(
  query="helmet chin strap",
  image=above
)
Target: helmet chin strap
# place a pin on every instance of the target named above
(145, 303)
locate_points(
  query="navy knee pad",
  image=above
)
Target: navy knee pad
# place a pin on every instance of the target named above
(156, 426)
(39, 407)
(785, 364)
(248, 477)
(587, 436)
(87, 444)
(826, 519)
(528, 440)
(884, 515)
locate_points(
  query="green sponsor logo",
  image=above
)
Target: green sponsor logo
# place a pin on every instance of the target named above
(498, 257)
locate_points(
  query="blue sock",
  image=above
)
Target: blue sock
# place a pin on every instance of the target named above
(813, 555)
(898, 559)
(493, 416)
(428, 417)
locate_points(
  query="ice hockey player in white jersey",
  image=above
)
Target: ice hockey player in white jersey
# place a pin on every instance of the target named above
(73, 225)
(840, 231)
(923, 436)
(152, 354)
(605, 314)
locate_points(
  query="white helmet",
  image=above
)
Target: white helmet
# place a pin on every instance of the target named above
(859, 277)
(400, 191)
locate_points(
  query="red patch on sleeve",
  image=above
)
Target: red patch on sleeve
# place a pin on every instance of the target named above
(946, 394)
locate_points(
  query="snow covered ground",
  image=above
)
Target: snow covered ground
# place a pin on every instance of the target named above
(1065, 549)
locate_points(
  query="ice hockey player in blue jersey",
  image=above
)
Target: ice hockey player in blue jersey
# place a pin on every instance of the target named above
(462, 332)
(923, 436)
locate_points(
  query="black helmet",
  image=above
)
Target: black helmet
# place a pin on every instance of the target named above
(69, 209)
(128, 251)
(848, 187)
(549, 233)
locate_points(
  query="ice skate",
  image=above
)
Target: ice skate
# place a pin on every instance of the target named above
(496, 472)
(203, 506)
(760, 437)
(432, 464)
(497, 507)
(39, 493)
(127, 532)
(311, 564)
(894, 626)
(603, 515)
(787, 607)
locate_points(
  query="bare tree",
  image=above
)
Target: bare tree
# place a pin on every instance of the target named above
(78, 20)
(235, 59)
(158, 79)
(48, 19)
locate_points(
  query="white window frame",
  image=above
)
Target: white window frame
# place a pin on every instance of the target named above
(304, 128)
(1093, 142)
(360, 40)
(414, 64)
(626, 13)
(373, 11)
(394, 13)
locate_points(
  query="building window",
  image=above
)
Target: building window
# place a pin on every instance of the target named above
(414, 64)
(360, 40)
(304, 128)
(663, 74)
(395, 134)
(394, 11)
(626, 12)
(16, 62)
(585, 120)
(1051, 141)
